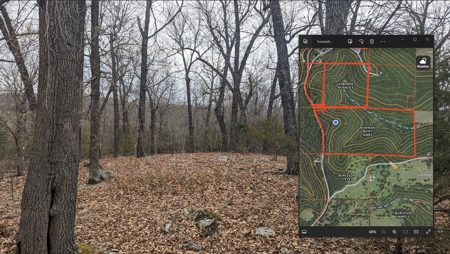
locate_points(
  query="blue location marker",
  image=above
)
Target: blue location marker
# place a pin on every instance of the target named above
(335, 122)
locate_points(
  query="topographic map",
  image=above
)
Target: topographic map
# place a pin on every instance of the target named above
(366, 137)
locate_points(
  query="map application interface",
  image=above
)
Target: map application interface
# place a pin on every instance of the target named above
(366, 136)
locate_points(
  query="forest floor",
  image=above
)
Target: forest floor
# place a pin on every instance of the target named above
(130, 212)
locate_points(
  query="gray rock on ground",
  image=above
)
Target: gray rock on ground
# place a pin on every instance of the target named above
(264, 231)
(221, 158)
(194, 247)
(284, 250)
(167, 227)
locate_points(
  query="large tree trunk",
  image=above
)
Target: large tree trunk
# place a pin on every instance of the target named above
(94, 147)
(140, 152)
(336, 16)
(286, 90)
(190, 121)
(49, 197)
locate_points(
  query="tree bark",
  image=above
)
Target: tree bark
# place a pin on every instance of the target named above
(114, 81)
(272, 98)
(286, 90)
(336, 16)
(140, 152)
(218, 110)
(190, 121)
(21, 134)
(49, 197)
(94, 146)
(206, 143)
(153, 130)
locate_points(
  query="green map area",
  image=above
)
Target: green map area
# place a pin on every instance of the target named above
(366, 137)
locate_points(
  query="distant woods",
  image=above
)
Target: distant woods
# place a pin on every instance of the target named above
(191, 76)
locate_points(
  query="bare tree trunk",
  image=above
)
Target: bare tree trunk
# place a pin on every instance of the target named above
(190, 121)
(206, 142)
(218, 110)
(336, 16)
(123, 101)
(114, 82)
(140, 152)
(286, 90)
(49, 197)
(94, 147)
(234, 131)
(20, 134)
(272, 98)
(153, 131)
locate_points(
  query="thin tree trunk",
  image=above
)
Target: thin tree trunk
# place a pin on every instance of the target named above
(206, 142)
(190, 121)
(272, 98)
(153, 131)
(123, 101)
(286, 90)
(49, 197)
(20, 134)
(94, 146)
(218, 110)
(114, 82)
(140, 152)
(234, 131)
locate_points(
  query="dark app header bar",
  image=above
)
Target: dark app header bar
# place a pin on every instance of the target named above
(366, 41)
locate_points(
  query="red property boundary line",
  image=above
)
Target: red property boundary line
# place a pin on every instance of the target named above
(323, 107)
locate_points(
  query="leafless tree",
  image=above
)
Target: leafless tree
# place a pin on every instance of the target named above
(226, 31)
(186, 36)
(144, 68)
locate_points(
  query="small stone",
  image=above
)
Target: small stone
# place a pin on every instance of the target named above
(222, 158)
(194, 247)
(105, 174)
(284, 250)
(167, 227)
(185, 212)
(264, 160)
(205, 223)
(264, 231)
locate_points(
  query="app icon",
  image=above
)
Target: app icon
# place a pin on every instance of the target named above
(423, 62)
(349, 41)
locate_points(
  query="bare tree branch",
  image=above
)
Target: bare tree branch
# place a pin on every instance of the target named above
(390, 17)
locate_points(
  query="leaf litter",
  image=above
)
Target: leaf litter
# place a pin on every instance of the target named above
(129, 213)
